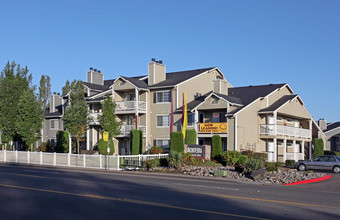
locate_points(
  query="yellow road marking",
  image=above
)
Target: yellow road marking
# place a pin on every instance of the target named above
(209, 194)
(141, 202)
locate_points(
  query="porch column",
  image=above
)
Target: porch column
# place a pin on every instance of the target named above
(284, 149)
(275, 150)
(88, 139)
(310, 150)
(310, 128)
(196, 125)
(303, 149)
(137, 107)
(294, 150)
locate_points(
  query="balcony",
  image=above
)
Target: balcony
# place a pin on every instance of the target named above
(274, 130)
(125, 129)
(130, 107)
(94, 118)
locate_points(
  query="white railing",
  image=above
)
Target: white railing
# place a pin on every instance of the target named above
(125, 129)
(285, 130)
(123, 106)
(78, 160)
(94, 117)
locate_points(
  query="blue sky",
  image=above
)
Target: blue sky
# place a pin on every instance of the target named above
(252, 42)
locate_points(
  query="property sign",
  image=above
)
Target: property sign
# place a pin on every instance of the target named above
(106, 136)
(221, 127)
(196, 150)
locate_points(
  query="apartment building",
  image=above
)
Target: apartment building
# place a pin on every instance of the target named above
(332, 132)
(265, 118)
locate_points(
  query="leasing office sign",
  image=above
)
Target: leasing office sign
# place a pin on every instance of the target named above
(221, 127)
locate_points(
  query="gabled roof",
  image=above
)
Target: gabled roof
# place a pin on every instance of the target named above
(332, 126)
(249, 94)
(196, 102)
(136, 81)
(175, 78)
(97, 87)
(276, 105)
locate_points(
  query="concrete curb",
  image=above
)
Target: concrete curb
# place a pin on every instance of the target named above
(309, 181)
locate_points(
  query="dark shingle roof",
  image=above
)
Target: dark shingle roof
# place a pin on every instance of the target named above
(250, 93)
(53, 114)
(332, 126)
(96, 86)
(278, 103)
(137, 82)
(175, 78)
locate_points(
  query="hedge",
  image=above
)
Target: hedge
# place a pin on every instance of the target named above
(102, 147)
(136, 141)
(190, 137)
(318, 147)
(62, 142)
(216, 146)
(176, 142)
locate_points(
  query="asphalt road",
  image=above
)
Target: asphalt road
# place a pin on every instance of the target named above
(53, 193)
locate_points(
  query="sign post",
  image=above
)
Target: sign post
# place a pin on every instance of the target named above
(106, 138)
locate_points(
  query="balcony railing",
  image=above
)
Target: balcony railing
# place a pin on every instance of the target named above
(94, 117)
(295, 156)
(125, 106)
(125, 129)
(274, 130)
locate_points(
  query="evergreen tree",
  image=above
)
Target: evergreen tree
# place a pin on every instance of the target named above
(29, 117)
(14, 80)
(44, 91)
(67, 88)
(76, 113)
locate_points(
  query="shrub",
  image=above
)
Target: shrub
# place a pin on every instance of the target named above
(149, 164)
(329, 152)
(191, 160)
(136, 141)
(272, 166)
(318, 147)
(62, 142)
(290, 163)
(252, 154)
(102, 147)
(156, 150)
(45, 147)
(231, 157)
(216, 146)
(242, 159)
(175, 160)
(176, 142)
(190, 137)
(253, 164)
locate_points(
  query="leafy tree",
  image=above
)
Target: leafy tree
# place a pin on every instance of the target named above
(176, 142)
(76, 113)
(318, 147)
(62, 142)
(29, 117)
(108, 119)
(44, 91)
(67, 88)
(216, 146)
(14, 80)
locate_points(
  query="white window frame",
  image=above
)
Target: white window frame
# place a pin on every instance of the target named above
(193, 121)
(163, 139)
(55, 122)
(163, 92)
(162, 126)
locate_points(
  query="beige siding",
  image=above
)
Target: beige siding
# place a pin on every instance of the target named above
(278, 94)
(208, 104)
(294, 108)
(121, 85)
(231, 134)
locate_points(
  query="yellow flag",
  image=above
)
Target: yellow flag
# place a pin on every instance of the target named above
(185, 115)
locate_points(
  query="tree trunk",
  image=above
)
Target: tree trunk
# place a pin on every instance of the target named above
(78, 145)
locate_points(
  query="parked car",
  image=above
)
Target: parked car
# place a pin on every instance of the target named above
(325, 162)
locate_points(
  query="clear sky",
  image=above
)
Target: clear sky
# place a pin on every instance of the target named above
(252, 42)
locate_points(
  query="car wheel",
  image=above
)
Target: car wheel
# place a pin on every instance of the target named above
(336, 169)
(302, 167)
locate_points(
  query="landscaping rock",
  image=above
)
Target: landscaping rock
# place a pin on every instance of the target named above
(221, 173)
(260, 174)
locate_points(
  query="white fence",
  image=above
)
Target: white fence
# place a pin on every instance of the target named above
(78, 160)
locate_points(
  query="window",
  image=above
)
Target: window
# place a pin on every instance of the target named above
(191, 119)
(279, 118)
(162, 96)
(54, 124)
(214, 101)
(163, 121)
(163, 143)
